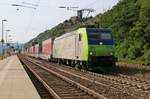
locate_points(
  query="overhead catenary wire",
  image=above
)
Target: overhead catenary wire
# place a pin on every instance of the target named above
(100, 7)
(91, 4)
(88, 7)
(32, 17)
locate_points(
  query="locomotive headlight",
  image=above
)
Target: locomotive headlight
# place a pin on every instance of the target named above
(100, 43)
(92, 53)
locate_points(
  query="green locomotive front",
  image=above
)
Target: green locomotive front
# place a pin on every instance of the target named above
(100, 47)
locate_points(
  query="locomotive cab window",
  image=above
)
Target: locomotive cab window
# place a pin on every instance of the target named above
(105, 36)
(95, 36)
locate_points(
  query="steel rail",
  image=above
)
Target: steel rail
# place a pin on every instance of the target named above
(121, 81)
(90, 92)
(42, 81)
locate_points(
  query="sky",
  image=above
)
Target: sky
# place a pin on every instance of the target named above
(26, 23)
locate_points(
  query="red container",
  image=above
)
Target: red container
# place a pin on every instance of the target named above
(47, 47)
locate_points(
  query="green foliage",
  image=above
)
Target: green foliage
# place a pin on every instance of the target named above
(134, 52)
(130, 22)
(147, 55)
(121, 49)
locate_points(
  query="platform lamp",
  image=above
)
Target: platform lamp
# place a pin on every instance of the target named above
(2, 41)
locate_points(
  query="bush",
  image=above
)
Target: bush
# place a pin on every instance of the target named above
(134, 52)
(147, 55)
(121, 50)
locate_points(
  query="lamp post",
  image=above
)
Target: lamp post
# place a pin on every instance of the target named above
(3, 37)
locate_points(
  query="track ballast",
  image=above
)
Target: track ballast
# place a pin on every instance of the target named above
(87, 84)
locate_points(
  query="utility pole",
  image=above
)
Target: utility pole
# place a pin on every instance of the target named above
(2, 41)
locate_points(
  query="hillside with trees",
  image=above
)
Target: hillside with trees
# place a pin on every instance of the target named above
(130, 22)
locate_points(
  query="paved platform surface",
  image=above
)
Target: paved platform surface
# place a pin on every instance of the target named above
(14, 81)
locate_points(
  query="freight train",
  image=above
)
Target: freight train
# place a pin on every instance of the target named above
(83, 48)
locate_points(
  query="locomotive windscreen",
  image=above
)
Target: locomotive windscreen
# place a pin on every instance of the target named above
(99, 36)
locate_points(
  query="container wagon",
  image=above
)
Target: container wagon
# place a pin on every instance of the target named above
(47, 49)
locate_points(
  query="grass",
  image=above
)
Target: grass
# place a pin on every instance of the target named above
(136, 61)
(130, 71)
(133, 69)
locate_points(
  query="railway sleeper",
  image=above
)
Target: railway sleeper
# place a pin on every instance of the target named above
(72, 92)
(66, 92)
(62, 89)
(81, 97)
(62, 85)
(76, 95)
(58, 89)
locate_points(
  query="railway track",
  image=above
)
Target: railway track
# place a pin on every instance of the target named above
(111, 86)
(59, 86)
(43, 92)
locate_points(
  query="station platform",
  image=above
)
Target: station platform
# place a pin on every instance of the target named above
(14, 81)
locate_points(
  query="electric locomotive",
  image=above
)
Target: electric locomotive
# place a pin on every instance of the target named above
(85, 48)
